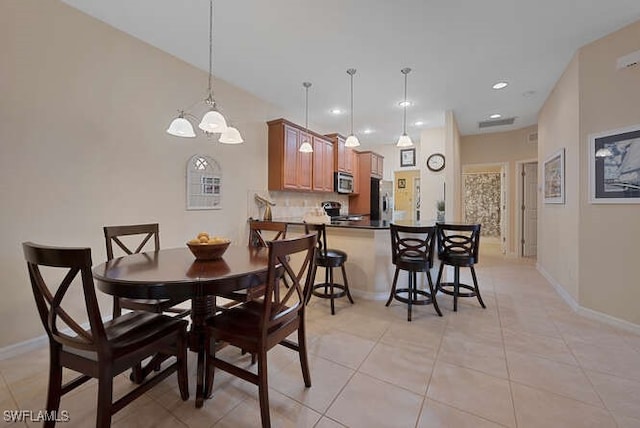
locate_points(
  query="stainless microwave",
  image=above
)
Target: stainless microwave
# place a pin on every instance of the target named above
(343, 182)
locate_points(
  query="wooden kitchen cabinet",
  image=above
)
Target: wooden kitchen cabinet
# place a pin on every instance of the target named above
(343, 155)
(323, 154)
(369, 166)
(289, 169)
(377, 163)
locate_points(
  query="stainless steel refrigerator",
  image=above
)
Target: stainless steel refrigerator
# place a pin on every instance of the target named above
(381, 199)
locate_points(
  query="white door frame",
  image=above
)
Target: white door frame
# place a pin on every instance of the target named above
(505, 209)
(519, 201)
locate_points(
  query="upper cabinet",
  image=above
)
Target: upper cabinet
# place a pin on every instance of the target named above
(322, 165)
(289, 169)
(344, 156)
(377, 162)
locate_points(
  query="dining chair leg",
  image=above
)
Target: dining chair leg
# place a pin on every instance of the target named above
(117, 311)
(409, 295)
(433, 292)
(333, 307)
(346, 283)
(210, 369)
(200, 387)
(475, 284)
(439, 277)
(263, 388)
(183, 373)
(456, 287)
(302, 353)
(309, 287)
(105, 397)
(393, 287)
(55, 385)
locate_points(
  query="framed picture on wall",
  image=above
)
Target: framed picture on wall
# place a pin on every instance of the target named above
(408, 157)
(402, 183)
(553, 178)
(614, 166)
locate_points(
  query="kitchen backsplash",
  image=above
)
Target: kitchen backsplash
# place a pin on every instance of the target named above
(291, 204)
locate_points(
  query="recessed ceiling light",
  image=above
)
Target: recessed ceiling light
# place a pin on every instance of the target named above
(404, 103)
(368, 131)
(336, 111)
(495, 116)
(418, 123)
(500, 85)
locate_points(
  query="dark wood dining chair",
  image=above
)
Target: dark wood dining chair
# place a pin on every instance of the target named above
(412, 251)
(259, 325)
(327, 258)
(147, 238)
(458, 246)
(104, 350)
(257, 238)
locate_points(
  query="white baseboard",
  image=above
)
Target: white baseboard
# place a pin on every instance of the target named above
(23, 347)
(586, 312)
(16, 349)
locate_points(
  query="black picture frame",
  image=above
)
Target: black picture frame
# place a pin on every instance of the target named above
(407, 157)
(614, 166)
(402, 183)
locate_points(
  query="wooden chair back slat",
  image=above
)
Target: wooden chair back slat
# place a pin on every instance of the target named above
(412, 242)
(49, 299)
(459, 240)
(113, 234)
(256, 238)
(277, 309)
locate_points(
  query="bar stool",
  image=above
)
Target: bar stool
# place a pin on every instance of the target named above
(412, 250)
(458, 247)
(328, 259)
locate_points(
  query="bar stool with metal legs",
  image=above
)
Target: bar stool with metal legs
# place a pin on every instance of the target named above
(458, 246)
(328, 259)
(412, 250)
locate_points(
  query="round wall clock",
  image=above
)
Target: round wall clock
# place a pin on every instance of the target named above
(435, 162)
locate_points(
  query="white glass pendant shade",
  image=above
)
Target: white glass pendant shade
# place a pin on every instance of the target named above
(213, 122)
(181, 127)
(404, 141)
(604, 152)
(352, 141)
(231, 136)
(305, 147)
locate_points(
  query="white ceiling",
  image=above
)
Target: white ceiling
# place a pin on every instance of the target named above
(456, 48)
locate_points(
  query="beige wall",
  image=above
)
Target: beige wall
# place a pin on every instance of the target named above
(83, 113)
(503, 148)
(609, 234)
(432, 183)
(559, 240)
(590, 250)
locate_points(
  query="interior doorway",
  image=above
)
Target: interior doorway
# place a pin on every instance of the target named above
(406, 195)
(484, 192)
(528, 198)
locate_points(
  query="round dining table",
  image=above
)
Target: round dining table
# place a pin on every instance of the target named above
(175, 273)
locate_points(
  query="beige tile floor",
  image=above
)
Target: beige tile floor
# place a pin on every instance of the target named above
(525, 361)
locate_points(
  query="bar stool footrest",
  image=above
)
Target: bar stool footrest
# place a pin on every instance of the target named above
(472, 293)
(340, 293)
(426, 301)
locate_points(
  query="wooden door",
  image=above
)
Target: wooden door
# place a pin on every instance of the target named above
(319, 162)
(530, 209)
(328, 166)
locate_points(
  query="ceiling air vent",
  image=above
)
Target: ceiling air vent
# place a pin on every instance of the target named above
(497, 122)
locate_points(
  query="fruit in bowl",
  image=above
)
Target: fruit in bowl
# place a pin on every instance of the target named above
(205, 247)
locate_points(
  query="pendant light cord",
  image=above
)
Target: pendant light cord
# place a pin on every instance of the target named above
(404, 119)
(351, 74)
(306, 109)
(210, 45)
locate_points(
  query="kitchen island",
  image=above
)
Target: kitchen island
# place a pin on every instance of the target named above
(368, 247)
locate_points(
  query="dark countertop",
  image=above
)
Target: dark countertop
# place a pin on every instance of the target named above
(365, 223)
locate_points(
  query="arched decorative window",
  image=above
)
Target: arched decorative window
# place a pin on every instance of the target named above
(204, 183)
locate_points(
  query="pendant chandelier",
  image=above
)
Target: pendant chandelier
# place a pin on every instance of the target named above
(213, 122)
(306, 147)
(404, 140)
(352, 140)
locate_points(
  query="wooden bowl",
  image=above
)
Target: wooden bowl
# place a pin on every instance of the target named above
(208, 251)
